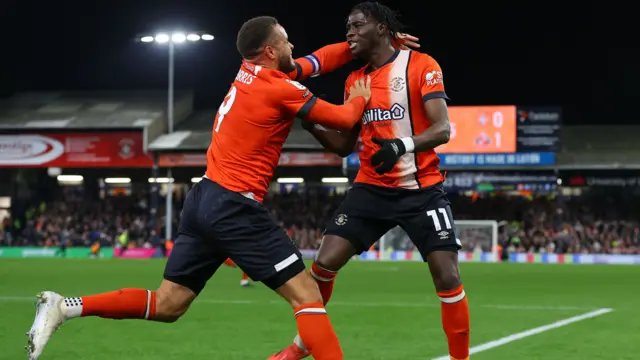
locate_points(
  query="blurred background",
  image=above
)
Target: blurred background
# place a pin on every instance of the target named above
(544, 141)
(106, 111)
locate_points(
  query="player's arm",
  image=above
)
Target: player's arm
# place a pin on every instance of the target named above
(331, 57)
(338, 142)
(322, 61)
(435, 106)
(434, 101)
(298, 100)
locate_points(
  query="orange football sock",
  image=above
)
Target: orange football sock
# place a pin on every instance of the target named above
(120, 304)
(245, 276)
(455, 321)
(230, 262)
(325, 279)
(317, 333)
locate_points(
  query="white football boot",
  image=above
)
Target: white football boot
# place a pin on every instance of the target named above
(48, 319)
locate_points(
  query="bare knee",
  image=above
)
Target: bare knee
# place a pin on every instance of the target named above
(300, 290)
(444, 270)
(334, 253)
(172, 301)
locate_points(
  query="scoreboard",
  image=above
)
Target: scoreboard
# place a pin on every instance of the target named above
(502, 129)
(481, 129)
(506, 135)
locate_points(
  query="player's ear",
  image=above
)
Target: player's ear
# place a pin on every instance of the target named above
(382, 28)
(270, 52)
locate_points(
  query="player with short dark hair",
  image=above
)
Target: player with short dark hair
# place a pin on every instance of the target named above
(399, 181)
(223, 216)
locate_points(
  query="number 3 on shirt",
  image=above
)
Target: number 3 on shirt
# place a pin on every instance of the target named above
(225, 107)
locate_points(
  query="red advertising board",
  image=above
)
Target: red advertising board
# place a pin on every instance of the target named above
(74, 150)
(286, 159)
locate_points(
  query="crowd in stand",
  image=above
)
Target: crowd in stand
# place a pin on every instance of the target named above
(588, 224)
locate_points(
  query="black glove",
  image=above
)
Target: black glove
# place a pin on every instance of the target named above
(390, 152)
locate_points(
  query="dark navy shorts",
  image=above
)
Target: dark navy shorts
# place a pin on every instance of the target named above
(217, 224)
(369, 211)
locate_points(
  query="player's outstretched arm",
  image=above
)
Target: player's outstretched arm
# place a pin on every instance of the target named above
(331, 57)
(322, 61)
(338, 117)
(343, 117)
(341, 143)
(298, 101)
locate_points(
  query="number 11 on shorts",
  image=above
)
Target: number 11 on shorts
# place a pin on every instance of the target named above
(436, 220)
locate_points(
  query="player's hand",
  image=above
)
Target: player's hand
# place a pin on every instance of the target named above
(406, 42)
(362, 88)
(388, 155)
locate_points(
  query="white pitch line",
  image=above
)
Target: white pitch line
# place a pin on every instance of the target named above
(426, 304)
(521, 335)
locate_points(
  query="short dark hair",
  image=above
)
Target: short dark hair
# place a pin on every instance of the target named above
(254, 34)
(383, 14)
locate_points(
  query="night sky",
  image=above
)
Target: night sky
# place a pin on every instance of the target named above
(518, 52)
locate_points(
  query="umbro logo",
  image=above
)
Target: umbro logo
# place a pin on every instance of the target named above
(395, 148)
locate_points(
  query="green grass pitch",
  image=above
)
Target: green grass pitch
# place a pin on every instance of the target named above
(383, 311)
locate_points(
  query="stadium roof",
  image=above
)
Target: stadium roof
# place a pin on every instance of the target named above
(194, 134)
(89, 110)
(582, 146)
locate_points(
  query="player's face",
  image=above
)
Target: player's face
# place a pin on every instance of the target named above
(283, 50)
(363, 33)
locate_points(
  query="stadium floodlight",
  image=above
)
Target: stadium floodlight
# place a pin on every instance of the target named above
(178, 38)
(161, 180)
(292, 180)
(172, 39)
(161, 38)
(115, 180)
(335, 180)
(70, 178)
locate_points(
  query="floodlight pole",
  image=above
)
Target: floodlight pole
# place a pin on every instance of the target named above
(169, 203)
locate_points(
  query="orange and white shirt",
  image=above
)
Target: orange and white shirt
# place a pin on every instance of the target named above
(396, 110)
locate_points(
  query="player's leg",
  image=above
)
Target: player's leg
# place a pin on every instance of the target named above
(186, 273)
(352, 230)
(314, 326)
(262, 249)
(230, 263)
(244, 280)
(192, 262)
(443, 265)
(431, 230)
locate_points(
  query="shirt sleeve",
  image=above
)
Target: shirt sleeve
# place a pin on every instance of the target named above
(431, 80)
(322, 61)
(296, 98)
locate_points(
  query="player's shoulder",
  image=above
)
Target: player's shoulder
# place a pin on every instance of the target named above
(422, 59)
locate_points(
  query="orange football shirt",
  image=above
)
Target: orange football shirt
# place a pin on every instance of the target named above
(396, 110)
(257, 114)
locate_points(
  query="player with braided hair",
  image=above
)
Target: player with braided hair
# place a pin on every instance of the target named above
(399, 182)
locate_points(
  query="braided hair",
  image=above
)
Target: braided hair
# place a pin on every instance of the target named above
(383, 14)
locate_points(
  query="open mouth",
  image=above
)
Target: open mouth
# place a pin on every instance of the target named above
(352, 44)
